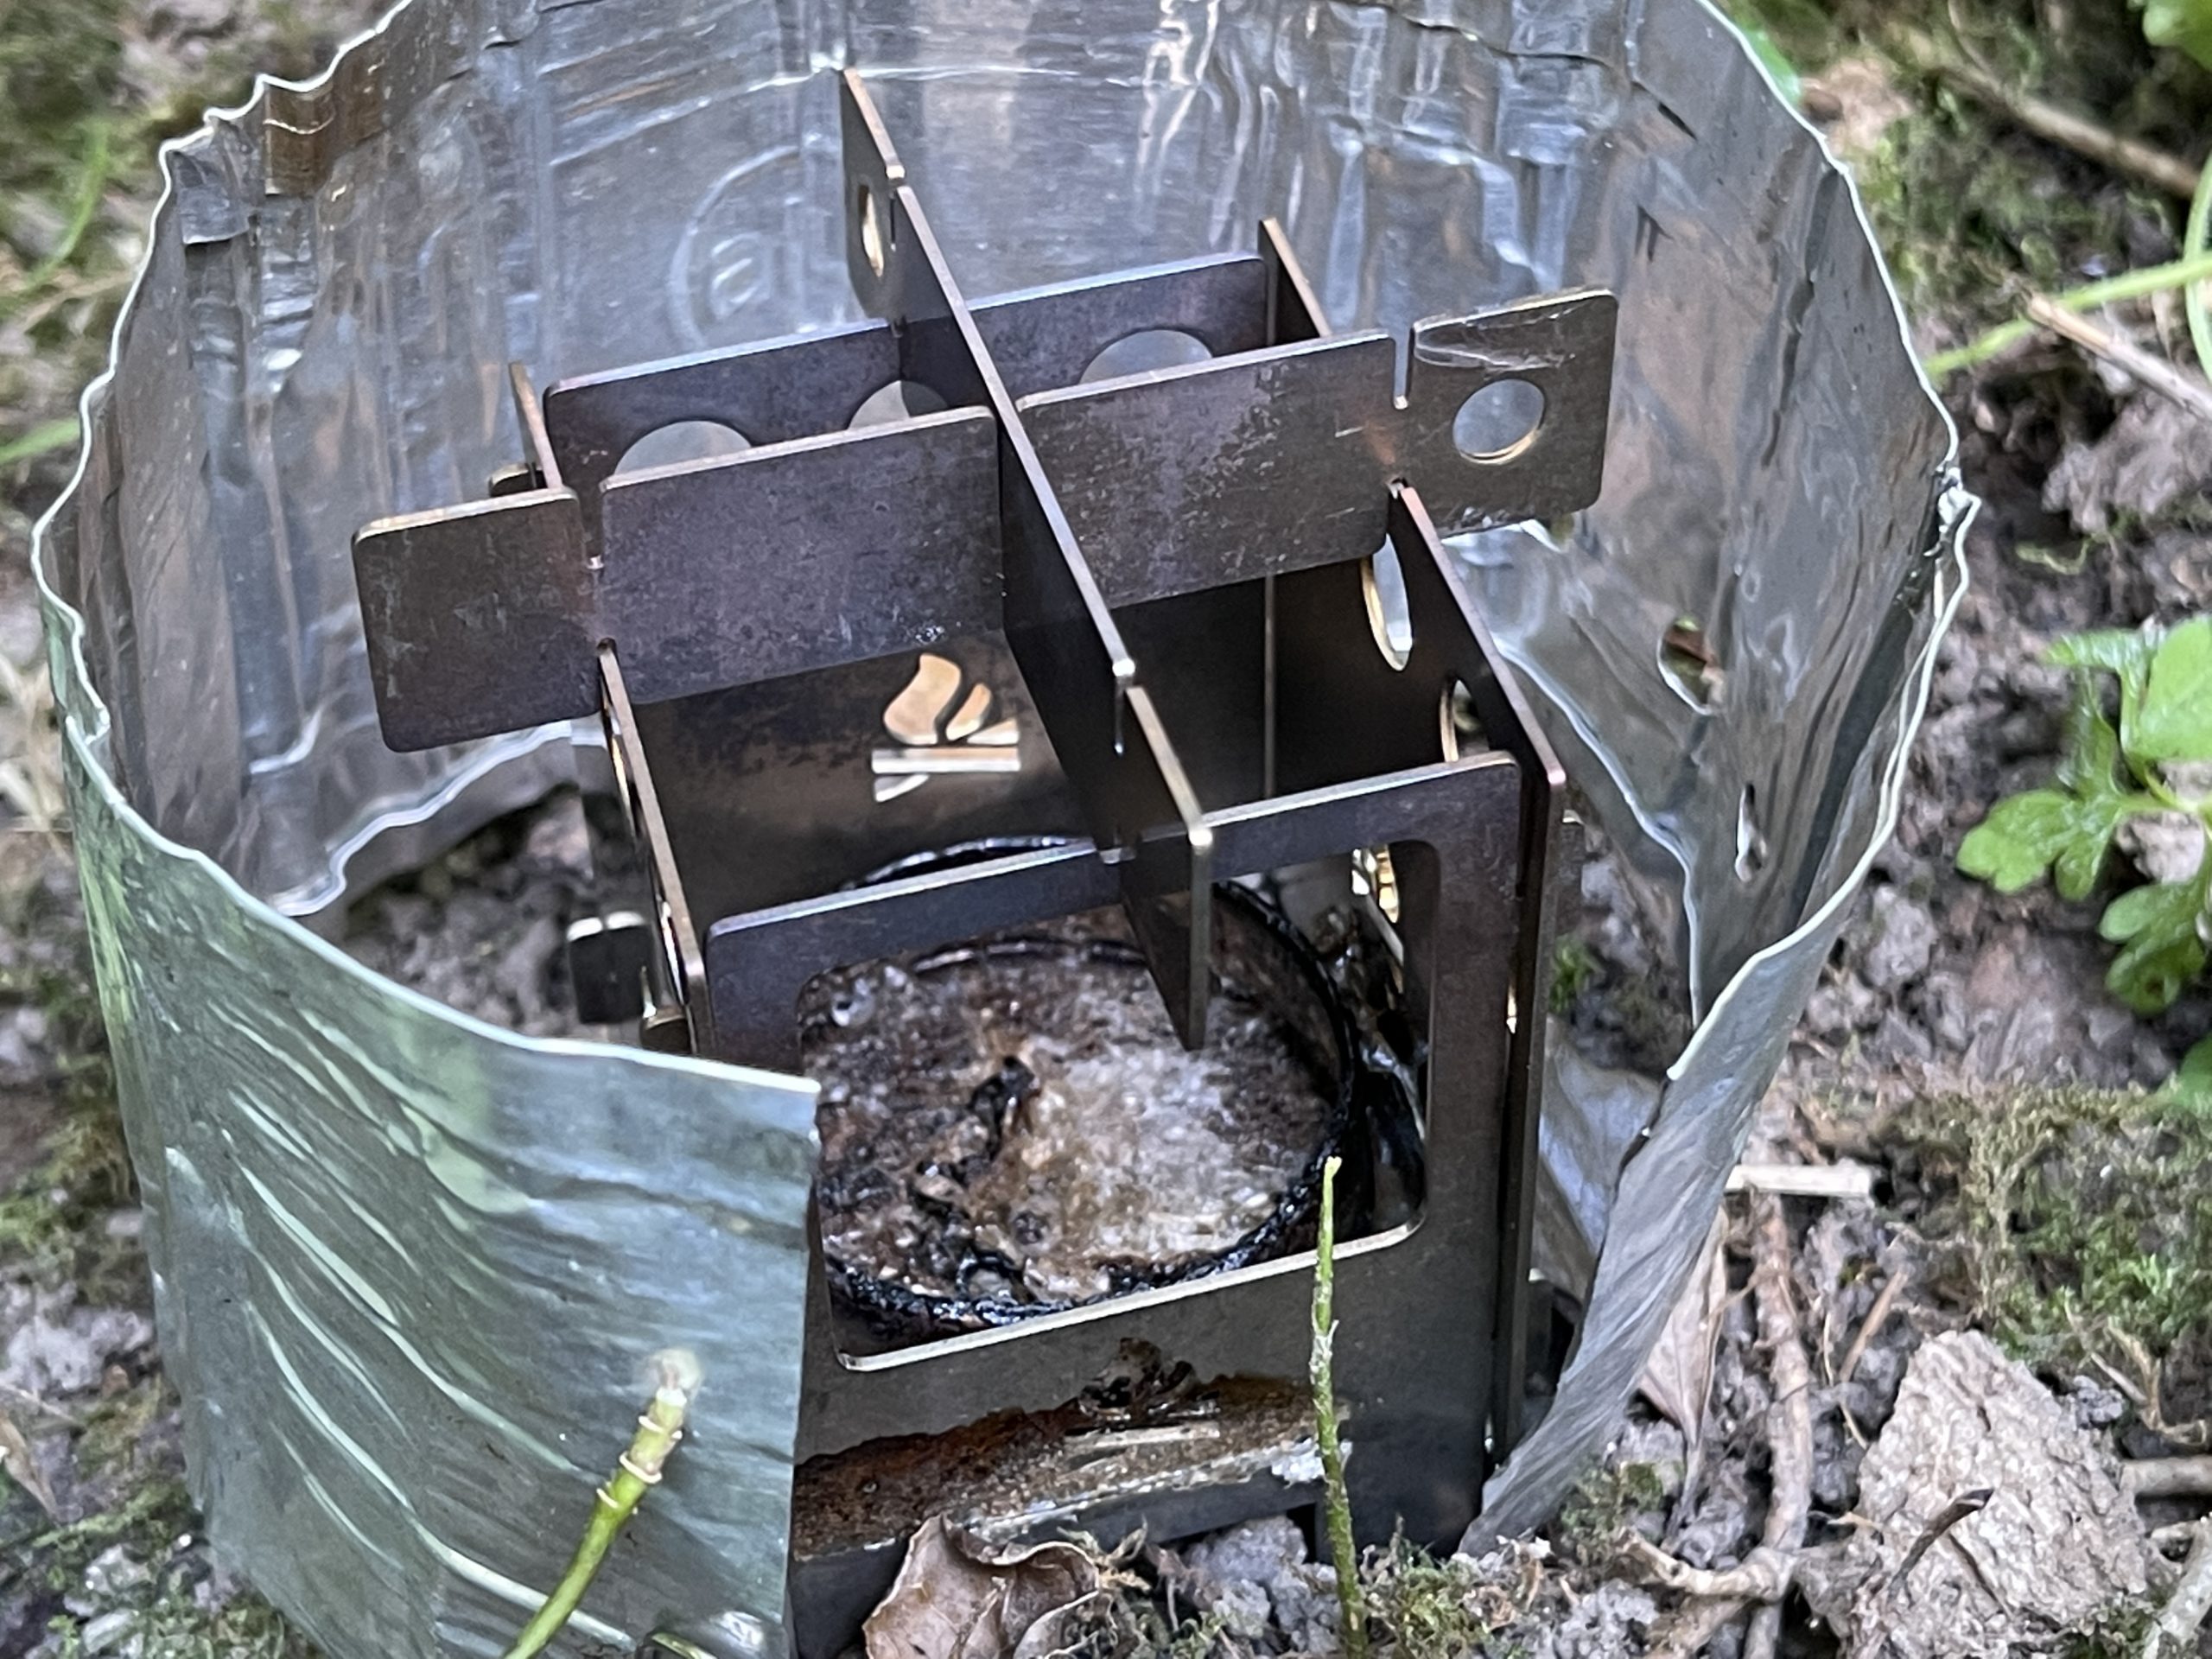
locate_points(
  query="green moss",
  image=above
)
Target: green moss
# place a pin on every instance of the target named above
(1970, 214)
(2118, 1633)
(147, 1521)
(2082, 1221)
(1421, 1607)
(168, 1621)
(1970, 210)
(176, 1627)
(116, 1429)
(53, 1225)
(1806, 34)
(1595, 1521)
(1573, 968)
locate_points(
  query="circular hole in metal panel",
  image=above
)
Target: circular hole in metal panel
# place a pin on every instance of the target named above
(1144, 350)
(900, 400)
(1384, 581)
(1498, 422)
(682, 441)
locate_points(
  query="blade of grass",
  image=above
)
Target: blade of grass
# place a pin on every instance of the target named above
(42, 439)
(2185, 274)
(2192, 246)
(90, 186)
(1336, 1501)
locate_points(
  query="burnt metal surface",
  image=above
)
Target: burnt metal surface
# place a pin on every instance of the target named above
(1134, 1449)
(1009, 1127)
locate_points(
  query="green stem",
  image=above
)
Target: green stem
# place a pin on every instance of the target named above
(2192, 245)
(87, 205)
(42, 439)
(1336, 1497)
(637, 1469)
(2183, 273)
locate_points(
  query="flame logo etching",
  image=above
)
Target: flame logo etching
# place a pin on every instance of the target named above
(938, 730)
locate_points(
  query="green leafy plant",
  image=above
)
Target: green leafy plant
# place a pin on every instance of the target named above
(2107, 777)
(2185, 25)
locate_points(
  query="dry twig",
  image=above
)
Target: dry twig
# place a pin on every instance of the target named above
(1972, 1500)
(2146, 370)
(2168, 1476)
(1790, 1420)
(1877, 1317)
(1762, 1576)
(1841, 1179)
(2049, 122)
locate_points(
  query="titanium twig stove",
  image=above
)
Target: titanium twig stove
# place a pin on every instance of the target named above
(1165, 584)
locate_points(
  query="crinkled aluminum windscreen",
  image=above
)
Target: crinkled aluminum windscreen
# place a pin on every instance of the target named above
(404, 1259)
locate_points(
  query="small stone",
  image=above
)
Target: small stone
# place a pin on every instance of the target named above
(2094, 1405)
(1253, 1549)
(1257, 1567)
(1241, 1606)
(1615, 939)
(1826, 1015)
(559, 840)
(1843, 1004)
(2057, 1540)
(2153, 455)
(59, 1348)
(2112, 1029)
(1904, 942)
(2166, 846)
(2149, 1065)
(25, 1061)
(1305, 1608)
(524, 969)
(1948, 1017)
(115, 1570)
(1612, 1619)
(107, 1633)
(1900, 1040)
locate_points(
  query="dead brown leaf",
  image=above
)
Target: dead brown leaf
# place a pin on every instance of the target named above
(1679, 1374)
(16, 1457)
(957, 1597)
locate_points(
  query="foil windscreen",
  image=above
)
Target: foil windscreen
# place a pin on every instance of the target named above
(400, 1254)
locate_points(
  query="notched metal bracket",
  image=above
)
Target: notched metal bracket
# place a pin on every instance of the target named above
(1036, 506)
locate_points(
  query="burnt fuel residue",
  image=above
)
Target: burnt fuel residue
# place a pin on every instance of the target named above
(1015, 1123)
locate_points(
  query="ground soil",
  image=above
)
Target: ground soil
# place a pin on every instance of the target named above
(1939, 991)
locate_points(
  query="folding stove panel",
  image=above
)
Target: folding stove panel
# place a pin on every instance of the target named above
(1165, 584)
